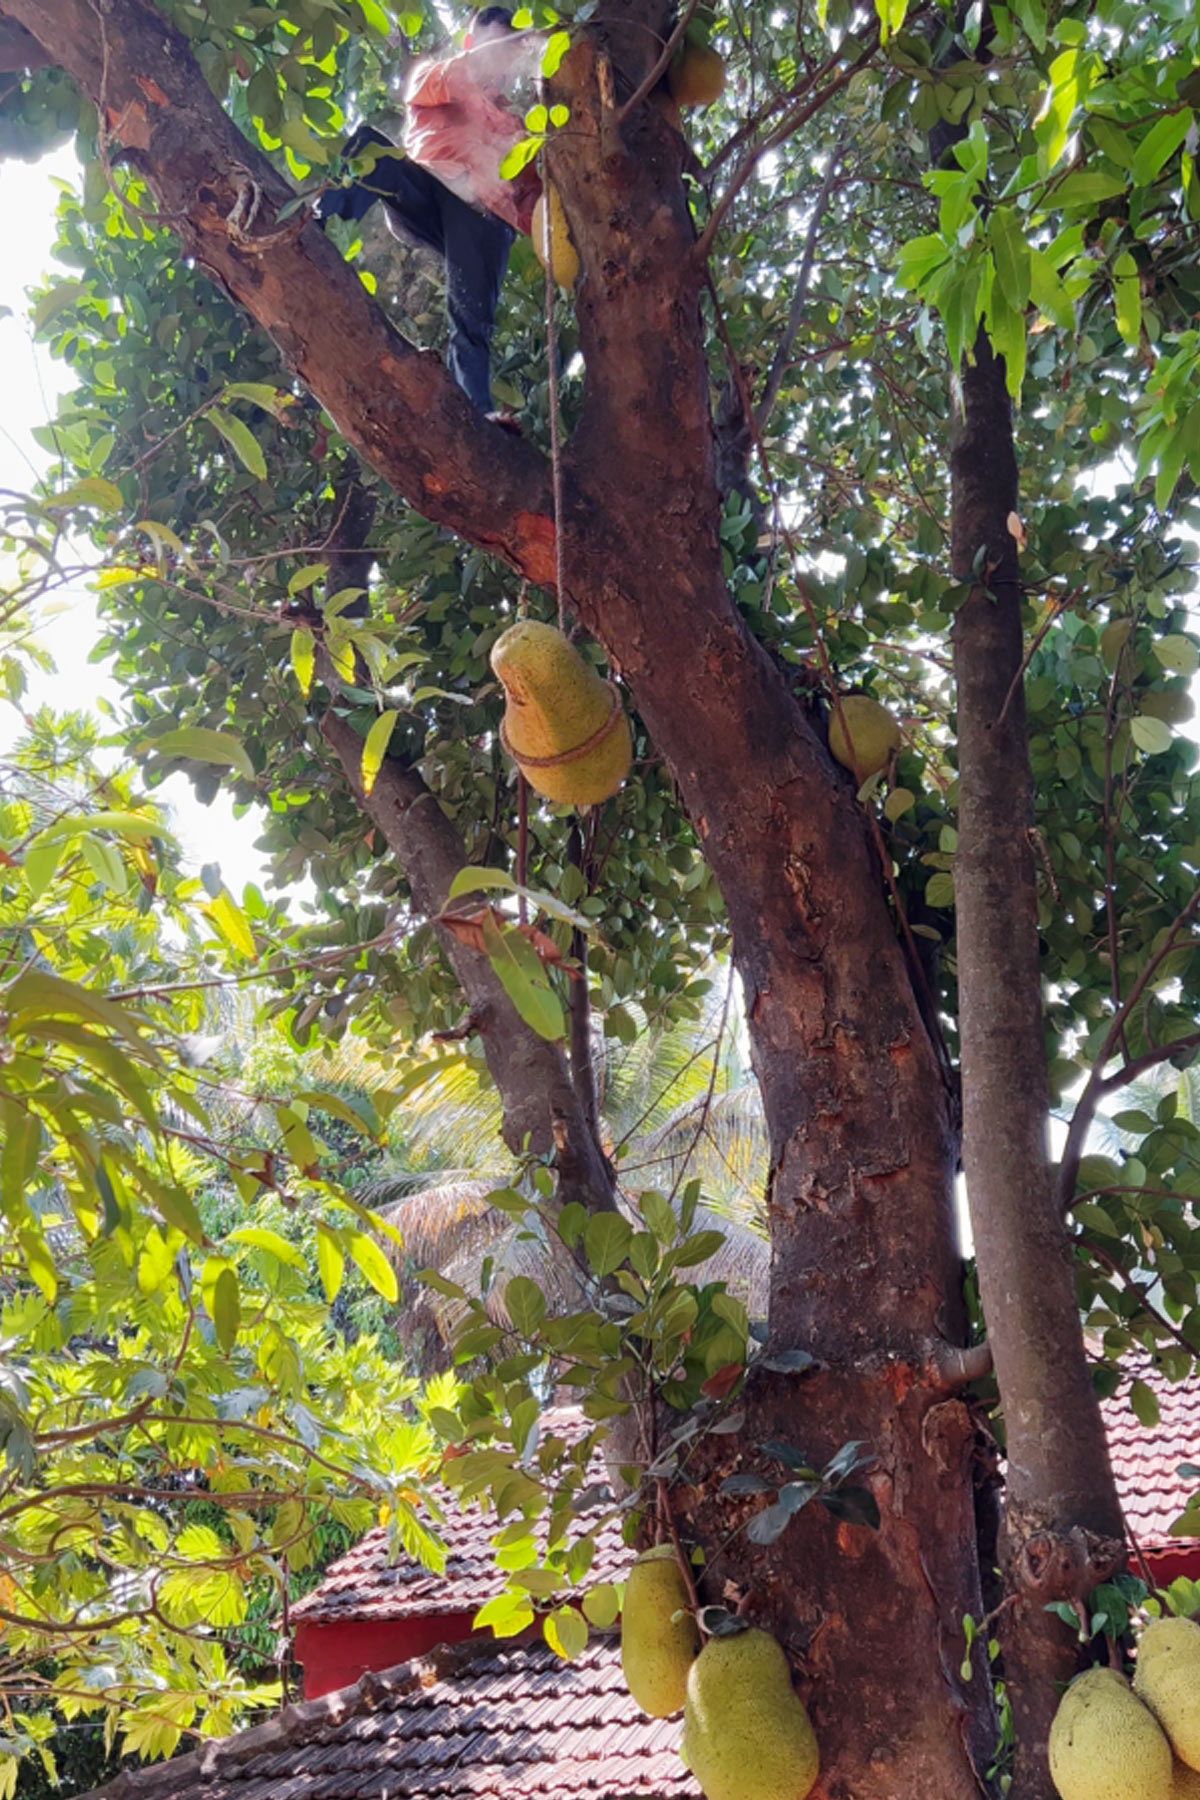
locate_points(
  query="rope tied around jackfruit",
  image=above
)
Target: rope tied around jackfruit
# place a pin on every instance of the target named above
(615, 715)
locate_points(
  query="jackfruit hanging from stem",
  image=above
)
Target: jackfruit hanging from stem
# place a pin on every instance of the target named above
(564, 725)
(659, 1638)
(1105, 1745)
(746, 1735)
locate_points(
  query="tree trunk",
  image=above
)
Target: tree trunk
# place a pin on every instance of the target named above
(863, 1142)
(1062, 1530)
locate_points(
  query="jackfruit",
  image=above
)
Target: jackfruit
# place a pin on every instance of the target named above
(746, 1735)
(873, 735)
(564, 258)
(1171, 1636)
(696, 76)
(659, 1639)
(1185, 1783)
(1167, 1679)
(563, 725)
(1105, 1745)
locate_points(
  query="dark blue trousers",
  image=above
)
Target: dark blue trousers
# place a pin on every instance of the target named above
(475, 246)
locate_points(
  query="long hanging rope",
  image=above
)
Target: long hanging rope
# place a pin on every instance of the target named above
(552, 377)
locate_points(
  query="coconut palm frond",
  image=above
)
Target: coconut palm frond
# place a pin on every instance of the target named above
(440, 1222)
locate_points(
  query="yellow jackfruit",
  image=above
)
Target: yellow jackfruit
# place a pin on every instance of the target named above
(873, 735)
(659, 1639)
(564, 258)
(1167, 1679)
(1171, 1637)
(1185, 1783)
(746, 1735)
(1105, 1745)
(696, 76)
(563, 724)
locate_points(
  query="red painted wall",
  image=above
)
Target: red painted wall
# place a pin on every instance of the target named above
(1167, 1565)
(334, 1653)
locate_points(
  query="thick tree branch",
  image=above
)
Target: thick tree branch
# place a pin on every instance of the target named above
(540, 1107)
(397, 405)
(19, 50)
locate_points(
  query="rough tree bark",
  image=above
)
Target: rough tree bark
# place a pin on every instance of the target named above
(1062, 1528)
(863, 1140)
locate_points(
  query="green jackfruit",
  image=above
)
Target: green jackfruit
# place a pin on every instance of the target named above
(873, 735)
(1167, 1679)
(1105, 1745)
(659, 1639)
(746, 1735)
(563, 723)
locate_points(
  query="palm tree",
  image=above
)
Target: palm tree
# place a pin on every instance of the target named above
(678, 1103)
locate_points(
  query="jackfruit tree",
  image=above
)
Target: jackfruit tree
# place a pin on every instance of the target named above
(879, 377)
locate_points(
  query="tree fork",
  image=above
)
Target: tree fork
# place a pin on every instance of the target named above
(1062, 1529)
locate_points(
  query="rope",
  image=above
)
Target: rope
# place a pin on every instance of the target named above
(552, 377)
(616, 713)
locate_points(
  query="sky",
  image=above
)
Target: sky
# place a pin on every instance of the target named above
(32, 384)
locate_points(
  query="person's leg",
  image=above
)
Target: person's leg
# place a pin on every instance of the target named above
(477, 247)
(410, 194)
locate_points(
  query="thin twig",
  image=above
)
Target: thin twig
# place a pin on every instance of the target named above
(1097, 1084)
(782, 132)
(1051, 618)
(783, 352)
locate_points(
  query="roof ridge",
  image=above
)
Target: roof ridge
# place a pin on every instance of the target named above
(297, 1723)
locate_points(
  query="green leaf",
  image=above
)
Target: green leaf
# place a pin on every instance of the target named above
(525, 1304)
(566, 1632)
(331, 1261)
(1159, 144)
(241, 441)
(375, 748)
(304, 656)
(231, 923)
(199, 744)
(1150, 735)
(1144, 1403)
(39, 1263)
(1011, 256)
(226, 1309)
(601, 1605)
(470, 879)
(606, 1238)
(1087, 187)
(373, 1264)
(262, 393)
(524, 979)
(259, 1237)
(557, 45)
(1127, 298)
(1177, 653)
(519, 156)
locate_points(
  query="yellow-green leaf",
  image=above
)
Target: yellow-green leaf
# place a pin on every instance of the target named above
(373, 1264)
(375, 748)
(199, 744)
(241, 441)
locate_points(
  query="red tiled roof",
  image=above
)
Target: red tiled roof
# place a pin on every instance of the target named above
(1145, 1458)
(373, 1581)
(481, 1720)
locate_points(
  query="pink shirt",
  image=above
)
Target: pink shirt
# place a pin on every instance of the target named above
(465, 113)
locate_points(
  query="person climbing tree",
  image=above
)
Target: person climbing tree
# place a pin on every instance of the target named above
(444, 186)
